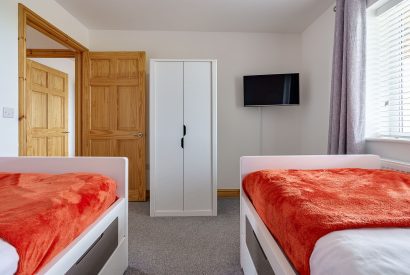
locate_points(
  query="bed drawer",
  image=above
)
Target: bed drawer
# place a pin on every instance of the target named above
(92, 261)
(259, 259)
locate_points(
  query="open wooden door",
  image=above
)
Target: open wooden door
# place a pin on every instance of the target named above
(47, 111)
(114, 112)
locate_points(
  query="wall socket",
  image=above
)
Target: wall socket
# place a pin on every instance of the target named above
(8, 112)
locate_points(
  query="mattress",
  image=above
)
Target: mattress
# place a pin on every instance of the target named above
(299, 207)
(9, 258)
(41, 214)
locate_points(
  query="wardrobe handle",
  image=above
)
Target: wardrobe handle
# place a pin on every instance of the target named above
(182, 143)
(184, 130)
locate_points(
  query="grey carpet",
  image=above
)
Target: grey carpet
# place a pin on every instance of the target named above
(184, 245)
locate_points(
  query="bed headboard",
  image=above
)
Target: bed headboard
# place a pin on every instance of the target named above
(255, 163)
(113, 167)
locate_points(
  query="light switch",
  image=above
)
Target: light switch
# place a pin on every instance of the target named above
(8, 112)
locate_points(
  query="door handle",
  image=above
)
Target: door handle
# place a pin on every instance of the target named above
(65, 132)
(184, 130)
(139, 135)
(182, 143)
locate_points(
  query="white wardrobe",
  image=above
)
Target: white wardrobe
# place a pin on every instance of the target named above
(183, 159)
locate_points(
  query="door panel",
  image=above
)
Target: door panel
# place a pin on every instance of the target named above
(114, 112)
(101, 68)
(130, 108)
(55, 146)
(197, 152)
(101, 147)
(168, 133)
(39, 146)
(39, 109)
(56, 110)
(100, 109)
(47, 111)
(57, 83)
(127, 68)
(38, 76)
(134, 151)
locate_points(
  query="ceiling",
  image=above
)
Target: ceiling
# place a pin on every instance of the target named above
(197, 15)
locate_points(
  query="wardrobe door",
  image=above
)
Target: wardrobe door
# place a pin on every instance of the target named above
(198, 153)
(168, 153)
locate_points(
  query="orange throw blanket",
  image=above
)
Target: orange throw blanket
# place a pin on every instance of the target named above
(41, 214)
(301, 206)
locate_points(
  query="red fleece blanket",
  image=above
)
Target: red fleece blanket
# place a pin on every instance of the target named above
(41, 214)
(301, 206)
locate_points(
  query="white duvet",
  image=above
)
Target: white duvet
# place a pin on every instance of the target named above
(362, 251)
(9, 258)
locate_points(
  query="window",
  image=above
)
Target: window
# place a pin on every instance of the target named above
(388, 71)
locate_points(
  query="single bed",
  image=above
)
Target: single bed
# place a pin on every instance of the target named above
(102, 244)
(340, 252)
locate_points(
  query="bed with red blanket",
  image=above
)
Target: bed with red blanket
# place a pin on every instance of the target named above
(307, 211)
(62, 222)
(40, 214)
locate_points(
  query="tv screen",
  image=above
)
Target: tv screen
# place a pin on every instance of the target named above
(272, 89)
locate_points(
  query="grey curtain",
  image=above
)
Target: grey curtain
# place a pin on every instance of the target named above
(347, 106)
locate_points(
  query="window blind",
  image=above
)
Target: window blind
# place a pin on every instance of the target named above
(390, 82)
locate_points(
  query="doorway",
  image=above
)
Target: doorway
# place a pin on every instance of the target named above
(43, 43)
(109, 100)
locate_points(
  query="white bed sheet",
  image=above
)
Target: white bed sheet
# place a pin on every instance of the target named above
(362, 251)
(9, 258)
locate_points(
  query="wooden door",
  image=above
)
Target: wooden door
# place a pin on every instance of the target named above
(47, 111)
(114, 112)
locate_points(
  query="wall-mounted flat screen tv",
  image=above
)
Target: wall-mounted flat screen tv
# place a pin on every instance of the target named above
(271, 89)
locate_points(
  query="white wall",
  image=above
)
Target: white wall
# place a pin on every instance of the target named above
(59, 17)
(8, 77)
(66, 65)
(238, 54)
(317, 52)
(55, 14)
(37, 40)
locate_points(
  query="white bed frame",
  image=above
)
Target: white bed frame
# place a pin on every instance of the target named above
(117, 169)
(274, 254)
